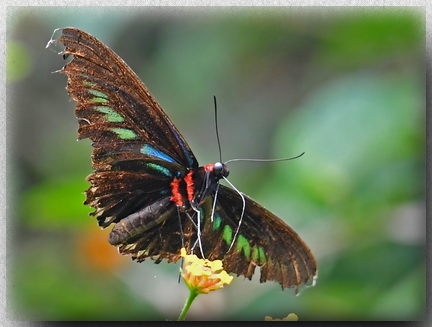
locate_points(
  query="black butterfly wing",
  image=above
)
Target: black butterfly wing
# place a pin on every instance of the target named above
(114, 107)
(137, 152)
(136, 148)
(263, 240)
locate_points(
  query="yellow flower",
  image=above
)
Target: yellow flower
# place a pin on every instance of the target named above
(202, 275)
(290, 317)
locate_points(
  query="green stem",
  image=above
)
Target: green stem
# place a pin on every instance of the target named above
(192, 295)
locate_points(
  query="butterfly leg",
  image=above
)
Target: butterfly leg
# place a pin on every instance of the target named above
(182, 240)
(191, 219)
(181, 227)
(198, 227)
(194, 245)
(214, 202)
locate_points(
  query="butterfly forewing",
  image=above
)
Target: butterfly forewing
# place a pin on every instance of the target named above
(114, 108)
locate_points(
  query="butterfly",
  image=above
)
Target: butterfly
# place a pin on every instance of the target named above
(148, 184)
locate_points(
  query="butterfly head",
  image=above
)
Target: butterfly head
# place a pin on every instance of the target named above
(220, 170)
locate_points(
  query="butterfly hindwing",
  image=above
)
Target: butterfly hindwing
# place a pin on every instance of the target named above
(130, 186)
(263, 240)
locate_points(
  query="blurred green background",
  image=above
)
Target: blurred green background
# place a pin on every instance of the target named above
(347, 86)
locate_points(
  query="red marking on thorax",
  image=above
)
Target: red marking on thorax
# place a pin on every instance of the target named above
(190, 189)
(209, 167)
(176, 195)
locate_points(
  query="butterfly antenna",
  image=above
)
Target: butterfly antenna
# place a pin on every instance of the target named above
(242, 214)
(217, 129)
(267, 160)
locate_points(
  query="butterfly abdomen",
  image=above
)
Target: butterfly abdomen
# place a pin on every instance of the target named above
(131, 227)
